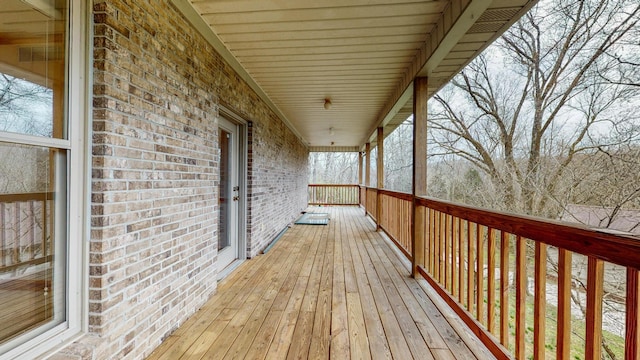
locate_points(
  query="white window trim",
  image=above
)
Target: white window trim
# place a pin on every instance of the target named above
(78, 177)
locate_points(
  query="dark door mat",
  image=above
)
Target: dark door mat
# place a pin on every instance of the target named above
(313, 219)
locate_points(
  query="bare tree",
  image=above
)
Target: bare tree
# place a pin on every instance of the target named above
(559, 91)
(333, 168)
(547, 116)
(398, 160)
(25, 107)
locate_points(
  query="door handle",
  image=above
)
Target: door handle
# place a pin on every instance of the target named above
(236, 198)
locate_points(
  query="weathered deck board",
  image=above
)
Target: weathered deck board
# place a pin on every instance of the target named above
(336, 291)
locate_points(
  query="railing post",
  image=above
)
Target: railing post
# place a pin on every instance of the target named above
(367, 175)
(379, 175)
(419, 184)
(360, 167)
(632, 342)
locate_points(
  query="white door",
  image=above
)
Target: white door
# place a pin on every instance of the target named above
(229, 145)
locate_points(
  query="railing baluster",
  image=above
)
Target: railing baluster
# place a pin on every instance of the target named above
(593, 330)
(563, 336)
(454, 256)
(460, 261)
(632, 337)
(432, 243)
(438, 241)
(504, 289)
(420, 239)
(447, 252)
(479, 275)
(32, 230)
(3, 235)
(443, 244)
(470, 267)
(521, 293)
(540, 301)
(491, 280)
(17, 242)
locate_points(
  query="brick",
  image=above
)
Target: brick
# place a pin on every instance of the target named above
(154, 204)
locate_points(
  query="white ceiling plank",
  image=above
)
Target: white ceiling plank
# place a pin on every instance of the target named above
(294, 25)
(232, 6)
(363, 54)
(303, 13)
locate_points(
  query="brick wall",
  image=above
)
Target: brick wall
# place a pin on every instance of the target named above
(154, 197)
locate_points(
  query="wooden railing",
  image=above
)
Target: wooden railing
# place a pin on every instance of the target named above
(331, 194)
(395, 218)
(24, 236)
(470, 254)
(483, 262)
(371, 202)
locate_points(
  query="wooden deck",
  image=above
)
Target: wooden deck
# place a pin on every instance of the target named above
(338, 291)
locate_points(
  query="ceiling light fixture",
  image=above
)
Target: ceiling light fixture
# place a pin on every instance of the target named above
(327, 104)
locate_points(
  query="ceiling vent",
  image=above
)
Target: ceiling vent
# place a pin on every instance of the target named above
(493, 20)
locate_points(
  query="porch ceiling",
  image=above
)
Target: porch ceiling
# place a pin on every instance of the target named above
(360, 54)
(30, 31)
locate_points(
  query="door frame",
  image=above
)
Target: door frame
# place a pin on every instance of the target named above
(242, 125)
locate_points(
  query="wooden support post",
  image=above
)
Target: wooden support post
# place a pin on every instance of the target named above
(379, 175)
(419, 184)
(360, 161)
(360, 177)
(367, 167)
(367, 176)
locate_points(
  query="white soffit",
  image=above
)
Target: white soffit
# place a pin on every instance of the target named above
(360, 54)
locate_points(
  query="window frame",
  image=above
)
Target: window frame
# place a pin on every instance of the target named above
(77, 146)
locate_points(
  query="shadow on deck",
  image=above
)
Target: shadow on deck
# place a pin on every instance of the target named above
(338, 291)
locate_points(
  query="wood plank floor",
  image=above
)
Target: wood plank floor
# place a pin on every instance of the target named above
(338, 291)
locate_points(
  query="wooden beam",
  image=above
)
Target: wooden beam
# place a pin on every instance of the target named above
(540, 301)
(521, 296)
(367, 172)
(420, 136)
(563, 335)
(504, 289)
(491, 280)
(379, 175)
(360, 161)
(593, 329)
(632, 338)
(419, 184)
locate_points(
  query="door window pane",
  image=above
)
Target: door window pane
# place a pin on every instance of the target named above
(224, 189)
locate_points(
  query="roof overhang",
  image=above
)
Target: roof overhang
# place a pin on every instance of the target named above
(362, 55)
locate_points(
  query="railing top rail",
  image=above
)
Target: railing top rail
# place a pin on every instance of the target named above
(40, 196)
(333, 185)
(396, 194)
(618, 249)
